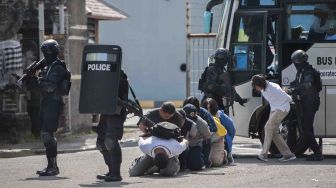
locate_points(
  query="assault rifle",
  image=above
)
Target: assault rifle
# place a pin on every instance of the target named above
(31, 69)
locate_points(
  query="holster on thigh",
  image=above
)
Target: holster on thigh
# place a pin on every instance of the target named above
(48, 139)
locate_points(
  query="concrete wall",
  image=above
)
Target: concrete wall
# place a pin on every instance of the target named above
(77, 41)
(153, 39)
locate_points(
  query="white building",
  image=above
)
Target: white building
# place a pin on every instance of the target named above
(153, 39)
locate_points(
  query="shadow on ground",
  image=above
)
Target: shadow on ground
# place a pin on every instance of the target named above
(108, 184)
(46, 178)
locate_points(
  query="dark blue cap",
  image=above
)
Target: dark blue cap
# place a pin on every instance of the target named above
(191, 111)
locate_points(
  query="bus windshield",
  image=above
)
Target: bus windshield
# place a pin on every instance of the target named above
(311, 22)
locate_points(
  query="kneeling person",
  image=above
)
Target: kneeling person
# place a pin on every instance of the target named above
(160, 155)
(196, 159)
(166, 113)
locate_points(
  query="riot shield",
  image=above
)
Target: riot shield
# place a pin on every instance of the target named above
(101, 66)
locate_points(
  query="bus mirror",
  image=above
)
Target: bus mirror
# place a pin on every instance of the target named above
(207, 16)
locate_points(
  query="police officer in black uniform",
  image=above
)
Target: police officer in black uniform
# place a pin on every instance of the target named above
(305, 88)
(110, 131)
(53, 72)
(217, 83)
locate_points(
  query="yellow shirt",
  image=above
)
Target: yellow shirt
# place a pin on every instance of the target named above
(221, 130)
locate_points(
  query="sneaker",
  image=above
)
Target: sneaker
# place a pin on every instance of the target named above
(262, 158)
(230, 159)
(287, 158)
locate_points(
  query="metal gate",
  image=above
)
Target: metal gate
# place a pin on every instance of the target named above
(199, 48)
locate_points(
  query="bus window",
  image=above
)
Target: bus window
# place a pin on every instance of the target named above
(248, 38)
(314, 22)
(250, 29)
(254, 3)
(246, 58)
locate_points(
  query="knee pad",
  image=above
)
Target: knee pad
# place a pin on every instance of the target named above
(100, 148)
(48, 139)
(112, 144)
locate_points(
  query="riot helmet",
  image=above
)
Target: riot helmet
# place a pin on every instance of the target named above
(299, 58)
(222, 56)
(50, 49)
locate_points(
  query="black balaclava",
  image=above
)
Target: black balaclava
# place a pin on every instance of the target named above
(50, 57)
(221, 62)
(299, 66)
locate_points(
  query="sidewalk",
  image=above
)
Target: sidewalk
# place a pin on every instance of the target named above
(67, 144)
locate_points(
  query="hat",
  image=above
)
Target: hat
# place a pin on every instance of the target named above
(183, 113)
(191, 111)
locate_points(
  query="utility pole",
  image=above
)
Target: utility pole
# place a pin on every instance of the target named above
(188, 58)
(61, 17)
(41, 23)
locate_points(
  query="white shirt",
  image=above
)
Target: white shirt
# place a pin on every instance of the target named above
(278, 99)
(171, 146)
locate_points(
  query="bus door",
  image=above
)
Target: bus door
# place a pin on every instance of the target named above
(248, 44)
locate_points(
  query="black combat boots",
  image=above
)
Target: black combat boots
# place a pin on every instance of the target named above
(112, 175)
(109, 177)
(317, 156)
(51, 170)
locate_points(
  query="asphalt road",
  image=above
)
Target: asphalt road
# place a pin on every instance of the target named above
(80, 169)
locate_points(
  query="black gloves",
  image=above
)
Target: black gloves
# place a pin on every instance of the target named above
(242, 101)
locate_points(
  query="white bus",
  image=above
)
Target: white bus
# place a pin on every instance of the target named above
(262, 35)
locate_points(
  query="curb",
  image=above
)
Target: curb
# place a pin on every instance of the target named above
(30, 152)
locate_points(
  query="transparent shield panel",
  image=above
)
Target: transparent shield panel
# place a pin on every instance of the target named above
(101, 57)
